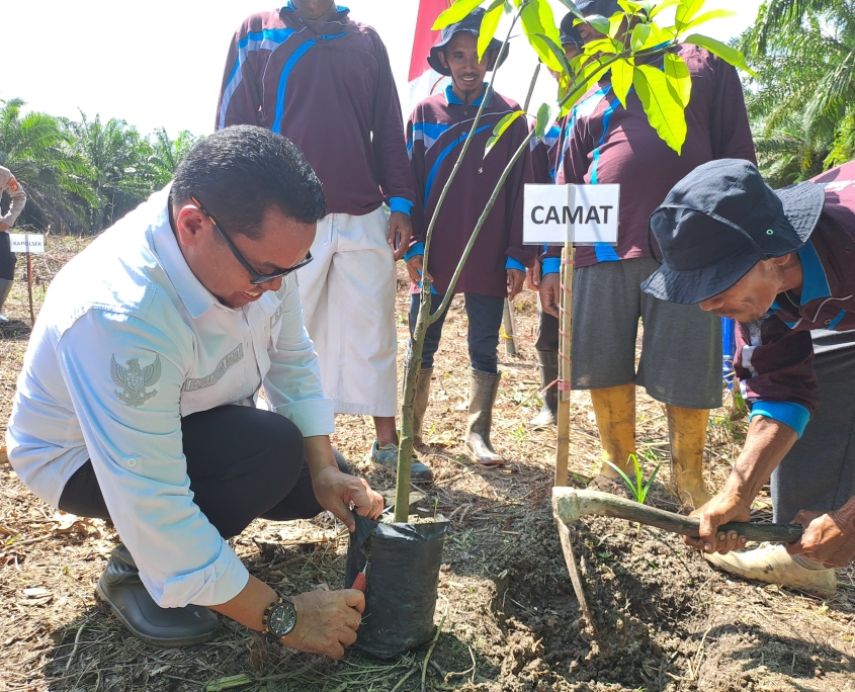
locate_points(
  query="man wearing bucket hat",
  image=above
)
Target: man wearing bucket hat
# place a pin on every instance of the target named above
(545, 158)
(609, 143)
(781, 264)
(309, 72)
(436, 131)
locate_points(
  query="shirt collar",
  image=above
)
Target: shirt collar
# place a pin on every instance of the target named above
(454, 100)
(814, 279)
(341, 16)
(196, 298)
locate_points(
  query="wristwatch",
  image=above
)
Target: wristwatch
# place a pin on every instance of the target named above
(279, 618)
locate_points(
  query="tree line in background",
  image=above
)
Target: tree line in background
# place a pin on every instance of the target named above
(82, 175)
(802, 100)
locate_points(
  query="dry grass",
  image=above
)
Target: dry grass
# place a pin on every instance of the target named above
(502, 597)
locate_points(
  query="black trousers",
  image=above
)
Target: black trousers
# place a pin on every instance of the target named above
(243, 463)
(7, 258)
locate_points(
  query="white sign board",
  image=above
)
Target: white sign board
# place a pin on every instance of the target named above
(580, 214)
(27, 242)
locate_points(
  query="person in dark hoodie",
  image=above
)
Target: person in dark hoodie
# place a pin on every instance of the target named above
(309, 72)
(436, 131)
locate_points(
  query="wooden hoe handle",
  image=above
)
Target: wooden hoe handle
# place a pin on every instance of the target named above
(570, 504)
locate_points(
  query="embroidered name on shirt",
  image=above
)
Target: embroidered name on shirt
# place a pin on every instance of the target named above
(134, 380)
(227, 361)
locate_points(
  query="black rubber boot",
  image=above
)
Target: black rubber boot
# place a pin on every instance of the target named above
(548, 377)
(120, 586)
(482, 396)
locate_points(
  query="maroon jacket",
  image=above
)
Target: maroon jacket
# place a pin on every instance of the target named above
(330, 90)
(774, 356)
(608, 143)
(436, 132)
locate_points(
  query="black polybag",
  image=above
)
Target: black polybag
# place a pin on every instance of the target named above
(402, 577)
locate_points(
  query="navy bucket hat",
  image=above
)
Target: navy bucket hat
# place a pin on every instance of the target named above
(719, 221)
(606, 8)
(570, 35)
(470, 24)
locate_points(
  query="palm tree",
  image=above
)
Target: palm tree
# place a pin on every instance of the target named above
(166, 154)
(802, 101)
(116, 158)
(35, 148)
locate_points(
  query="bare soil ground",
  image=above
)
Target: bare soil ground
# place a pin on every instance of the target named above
(507, 617)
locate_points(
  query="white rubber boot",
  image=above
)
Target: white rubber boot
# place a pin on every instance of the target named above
(772, 563)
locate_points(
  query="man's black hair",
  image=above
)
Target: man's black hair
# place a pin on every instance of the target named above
(240, 172)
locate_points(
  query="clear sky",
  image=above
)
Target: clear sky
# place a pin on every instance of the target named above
(159, 63)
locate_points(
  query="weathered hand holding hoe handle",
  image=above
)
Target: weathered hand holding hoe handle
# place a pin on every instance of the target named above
(570, 504)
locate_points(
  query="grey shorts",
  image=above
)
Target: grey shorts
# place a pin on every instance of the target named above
(681, 355)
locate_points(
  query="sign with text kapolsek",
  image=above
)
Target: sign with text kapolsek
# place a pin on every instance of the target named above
(580, 214)
(27, 242)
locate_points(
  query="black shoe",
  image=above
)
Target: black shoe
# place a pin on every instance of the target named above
(120, 586)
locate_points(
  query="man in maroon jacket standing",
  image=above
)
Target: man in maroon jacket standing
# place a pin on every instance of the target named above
(309, 72)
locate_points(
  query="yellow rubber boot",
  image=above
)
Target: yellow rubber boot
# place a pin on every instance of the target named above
(614, 409)
(687, 429)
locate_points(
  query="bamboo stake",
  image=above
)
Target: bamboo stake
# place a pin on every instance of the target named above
(565, 332)
(508, 333)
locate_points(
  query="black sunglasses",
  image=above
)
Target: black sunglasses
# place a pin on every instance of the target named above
(255, 278)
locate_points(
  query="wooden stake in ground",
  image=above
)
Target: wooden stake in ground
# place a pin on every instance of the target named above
(30, 286)
(565, 333)
(508, 334)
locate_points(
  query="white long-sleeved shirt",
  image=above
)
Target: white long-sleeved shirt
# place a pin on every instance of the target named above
(127, 343)
(18, 198)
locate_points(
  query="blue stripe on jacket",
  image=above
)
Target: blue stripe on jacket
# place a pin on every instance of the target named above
(267, 39)
(604, 252)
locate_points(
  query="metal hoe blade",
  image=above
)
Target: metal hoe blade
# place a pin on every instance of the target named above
(566, 537)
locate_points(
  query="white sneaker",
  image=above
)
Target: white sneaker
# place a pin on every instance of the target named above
(772, 563)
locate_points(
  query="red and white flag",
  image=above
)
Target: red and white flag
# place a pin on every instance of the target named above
(423, 80)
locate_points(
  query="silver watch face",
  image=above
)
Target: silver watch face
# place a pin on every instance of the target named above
(281, 618)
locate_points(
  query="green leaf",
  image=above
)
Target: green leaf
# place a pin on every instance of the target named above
(648, 36)
(658, 7)
(558, 52)
(639, 37)
(500, 129)
(686, 10)
(538, 20)
(622, 72)
(679, 79)
(722, 50)
(599, 24)
(604, 45)
(545, 117)
(661, 105)
(455, 13)
(489, 24)
(625, 478)
(570, 5)
(708, 16)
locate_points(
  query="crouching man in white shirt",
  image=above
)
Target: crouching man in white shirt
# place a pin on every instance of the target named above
(136, 399)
